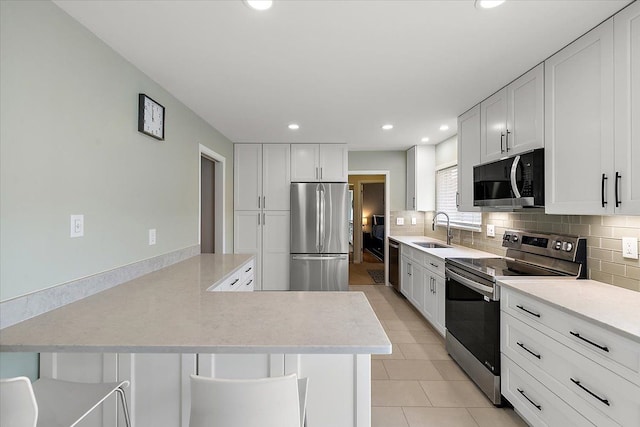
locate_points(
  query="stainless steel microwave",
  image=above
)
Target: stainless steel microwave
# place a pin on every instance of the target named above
(515, 182)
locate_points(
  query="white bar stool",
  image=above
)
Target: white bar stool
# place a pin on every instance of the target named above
(54, 403)
(263, 402)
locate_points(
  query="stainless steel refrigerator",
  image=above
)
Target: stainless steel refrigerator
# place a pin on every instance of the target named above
(319, 236)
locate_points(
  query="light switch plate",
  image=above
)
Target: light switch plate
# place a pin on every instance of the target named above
(491, 230)
(630, 247)
(152, 236)
(399, 220)
(414, 221)
(77, 226)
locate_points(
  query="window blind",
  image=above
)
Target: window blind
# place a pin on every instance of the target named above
(446, 189)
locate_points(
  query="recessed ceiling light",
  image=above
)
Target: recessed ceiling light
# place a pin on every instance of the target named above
(294, 126)
(387, 127)
(444, 127)
(425, 139)
(259, 4)
(488, 4)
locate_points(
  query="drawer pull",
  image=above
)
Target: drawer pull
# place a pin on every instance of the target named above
(601, 347)
(249, 282)
(605, 401)
(434, 265)
(526, 349)
(538, 407)
(248, 269)
(528, 311)
(234, 282)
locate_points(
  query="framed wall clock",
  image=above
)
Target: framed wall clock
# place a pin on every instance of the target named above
(150, 117)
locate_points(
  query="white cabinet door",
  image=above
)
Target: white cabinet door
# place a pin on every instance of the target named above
(159, 394)
(406, 277)
(579, 175)
(439, 295)
(276, 177)
(468, 157)
(247, 176)
(421, 187)
(525, 119)
(247, 238)
(417, 290)
(240, 366)
(305, 160)
(86, 367)
(275, 251)
(430, 305)
(627, 110)
(493, 129)
(333, 163)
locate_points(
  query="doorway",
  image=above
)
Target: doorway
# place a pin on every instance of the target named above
(211, 222)
(369, 224)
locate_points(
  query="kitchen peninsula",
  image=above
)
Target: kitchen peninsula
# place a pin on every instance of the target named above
(169, 319)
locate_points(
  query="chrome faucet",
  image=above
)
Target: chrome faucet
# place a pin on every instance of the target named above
(433, 226)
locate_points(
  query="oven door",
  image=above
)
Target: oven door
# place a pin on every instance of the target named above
(472, 316)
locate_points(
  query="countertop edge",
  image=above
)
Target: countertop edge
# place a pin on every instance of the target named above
(622, 332)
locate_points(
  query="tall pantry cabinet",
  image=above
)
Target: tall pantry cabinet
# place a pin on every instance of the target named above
(262, 210)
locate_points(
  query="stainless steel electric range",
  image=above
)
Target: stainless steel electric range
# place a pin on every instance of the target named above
(472, 307)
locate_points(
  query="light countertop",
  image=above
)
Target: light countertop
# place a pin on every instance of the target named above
(611, 307)
(455, 251)
(171, 311)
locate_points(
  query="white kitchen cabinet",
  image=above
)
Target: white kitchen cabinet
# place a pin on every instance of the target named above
(512, 118)
(261, 216)
(468, 157)
(265, 235)
(421, 178)
(422, 281)
(627, 107)
(569, 359)
(262, 177)
(319, 163)
(579, 128)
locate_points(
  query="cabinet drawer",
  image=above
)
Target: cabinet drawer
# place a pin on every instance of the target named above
(247, 271)
(247, 285)
(602, 396)
(601, 345)
(538, 405)
(231, 283)
(435, 264)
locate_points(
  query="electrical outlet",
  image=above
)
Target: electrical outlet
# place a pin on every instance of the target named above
(414, 221)
(77, 226)
(630, 247)
(491, 230)
(399, 220)
(152, 236)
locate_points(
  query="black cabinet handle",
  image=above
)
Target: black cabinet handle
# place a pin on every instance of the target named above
(526, 349)
(234, 282)
(501, 139)
(249, 282)
(457, 199)
(528, 311)
(433, 265)
(605, 401)
(538, 407)
(604, 178)
(601, 347)
(507, 141)
(248, 269)
(618, 198)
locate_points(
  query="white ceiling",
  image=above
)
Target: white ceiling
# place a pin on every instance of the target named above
(340, 69)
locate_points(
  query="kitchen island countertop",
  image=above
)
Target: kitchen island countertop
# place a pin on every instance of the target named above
(171, 311)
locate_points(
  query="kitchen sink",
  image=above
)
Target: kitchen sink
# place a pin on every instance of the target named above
(431, 245)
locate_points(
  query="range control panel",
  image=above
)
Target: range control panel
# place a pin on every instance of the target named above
(551, 245)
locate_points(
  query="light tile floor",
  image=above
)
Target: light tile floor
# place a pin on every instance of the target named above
(419, 384)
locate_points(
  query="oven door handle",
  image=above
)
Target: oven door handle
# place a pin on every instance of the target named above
(484, 290)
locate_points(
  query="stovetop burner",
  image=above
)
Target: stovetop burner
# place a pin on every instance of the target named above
(496, 267)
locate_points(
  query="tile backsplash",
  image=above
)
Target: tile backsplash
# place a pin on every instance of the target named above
(604, 238)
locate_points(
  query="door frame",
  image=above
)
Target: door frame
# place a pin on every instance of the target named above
(387, 215)
(220, 173)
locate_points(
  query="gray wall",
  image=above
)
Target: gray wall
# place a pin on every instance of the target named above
(393, 161)
(69, 145)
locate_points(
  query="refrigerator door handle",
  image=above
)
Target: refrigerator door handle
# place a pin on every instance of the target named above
(322, 219)
(317, 258)
(318, 218)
